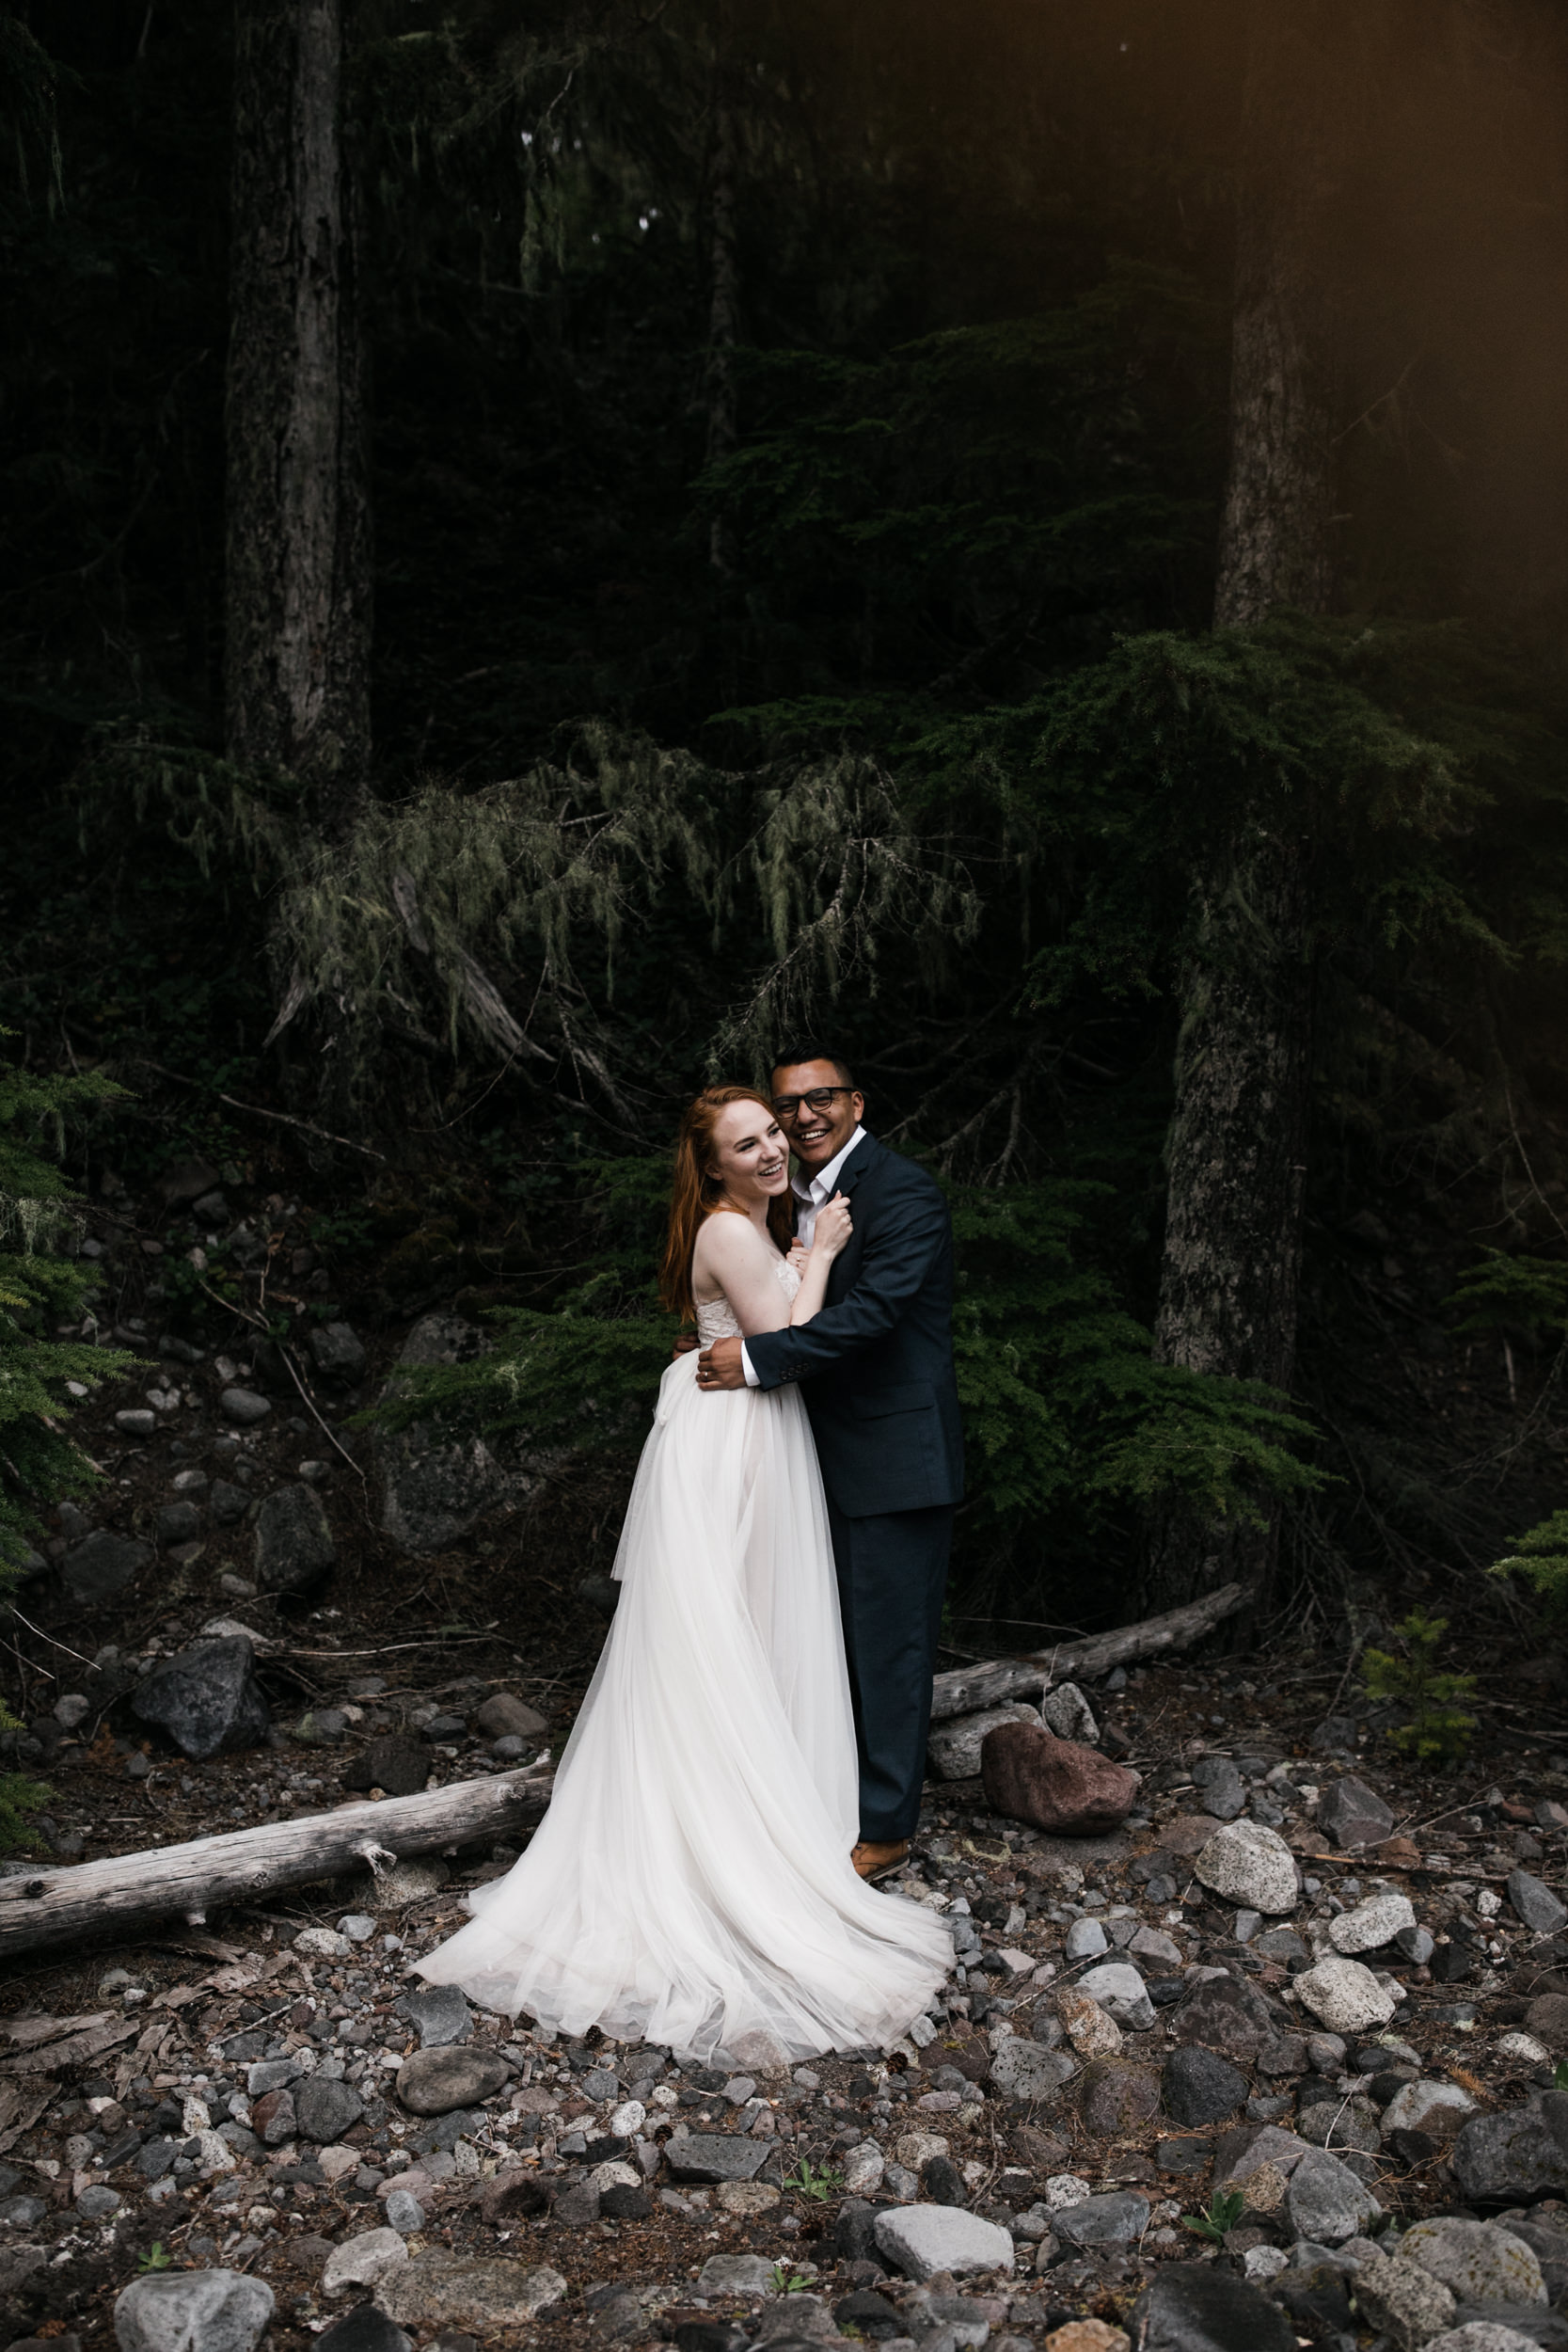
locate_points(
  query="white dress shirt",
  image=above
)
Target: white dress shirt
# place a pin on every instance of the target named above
(813, 1193)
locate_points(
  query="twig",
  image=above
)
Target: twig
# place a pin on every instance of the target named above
(285, 1119)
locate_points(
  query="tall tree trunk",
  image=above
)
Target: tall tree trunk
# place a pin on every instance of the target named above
(724, 302)
(1236, 1149)
(298, 530)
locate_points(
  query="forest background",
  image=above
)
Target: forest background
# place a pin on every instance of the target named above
(549, 549)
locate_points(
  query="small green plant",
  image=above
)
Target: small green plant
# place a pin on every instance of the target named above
(1225, 2208)
(155, 2258)
(1560, 2076)
(1438, 1729)
(787, 2279)
(817, 2181)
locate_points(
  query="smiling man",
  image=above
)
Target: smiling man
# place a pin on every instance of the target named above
(877, 1364)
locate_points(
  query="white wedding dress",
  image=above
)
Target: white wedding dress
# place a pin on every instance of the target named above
(690, 1883)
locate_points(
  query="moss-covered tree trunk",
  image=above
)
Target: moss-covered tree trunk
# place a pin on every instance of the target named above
(297, 528)
(1236, 1148)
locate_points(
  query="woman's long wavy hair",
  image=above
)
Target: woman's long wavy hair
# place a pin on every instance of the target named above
(697, 1192)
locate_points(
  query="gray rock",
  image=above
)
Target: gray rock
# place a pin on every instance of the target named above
(1481, 2335)
(271, 2074)
(206, 1698)
(919, 2240)
(103, 1564)
(1408, 2109)
(1068, 1714)
(339, 1353)
(1221, 1789)
(473, 2292)
(1114, 2219)
(97, 2202)
(506, 1716)
(1250, 1864)
(403, 2211)
(193, 2310)
(953, 1748)
(715, 2156)
(294, 1541)
(436, 1487)
(1200, 2088)
(441, 2016)
(137, 1421)
(364, 2329)
(244, 1408)
(1509, 2159)
(363, 2260)
(1335, 1732)
(1415, 1944)
(1535, 1903)
(1116, 2098)
(736, 2274)
(1121, 1993)
(327, 2110)
(23, 2213)
(1086, 1939)
(1325, 2202)
(1027, 2070)
(1228, 2016)
(178, 1522)
(1538, 2326)
(1371, 1923)
(1191, 2307)
(1341, 2123)
(229, 1504)
(1478, 2262)
(435, 2082)
(1354, 1815)
(1402, 2300)
(1345, 1996)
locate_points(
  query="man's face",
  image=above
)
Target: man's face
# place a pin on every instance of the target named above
(817, 1133)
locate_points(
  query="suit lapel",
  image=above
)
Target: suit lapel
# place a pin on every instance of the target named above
(841, 1273)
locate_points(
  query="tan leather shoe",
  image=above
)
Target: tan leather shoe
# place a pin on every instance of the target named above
(879, 1862)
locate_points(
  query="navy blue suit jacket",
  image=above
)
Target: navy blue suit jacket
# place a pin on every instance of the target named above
(877, 1361)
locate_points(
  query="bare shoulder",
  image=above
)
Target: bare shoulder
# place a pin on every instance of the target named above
(729, 1245)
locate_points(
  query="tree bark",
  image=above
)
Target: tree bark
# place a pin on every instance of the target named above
(724, 299)
(1236, 1146)
(298, 526)
(129, 1891)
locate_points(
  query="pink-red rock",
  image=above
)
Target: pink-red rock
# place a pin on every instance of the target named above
(1031, 1775)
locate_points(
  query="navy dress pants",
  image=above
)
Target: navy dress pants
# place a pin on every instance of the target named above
(891, 1576)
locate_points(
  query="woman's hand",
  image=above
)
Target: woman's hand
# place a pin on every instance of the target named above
(833, 1227)
(799, 1256)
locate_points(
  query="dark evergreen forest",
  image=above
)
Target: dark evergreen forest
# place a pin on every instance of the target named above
(549, 550)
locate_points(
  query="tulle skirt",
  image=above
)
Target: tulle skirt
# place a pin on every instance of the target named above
(690, 1883)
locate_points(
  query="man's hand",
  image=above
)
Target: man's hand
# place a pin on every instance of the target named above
(719, 1366)
(682, 1346)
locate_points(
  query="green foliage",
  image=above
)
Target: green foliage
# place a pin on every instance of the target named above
(1560, 2076)
(1513, 1293)
(154, 2257)
(1438, 1729)
(1542, 1560)
(40, 1462)
(1225, 2208)
(1060, 1392)
(814, 2181)
(1064, 1407)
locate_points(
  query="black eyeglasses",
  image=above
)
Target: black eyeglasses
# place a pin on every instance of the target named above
(785, 1105)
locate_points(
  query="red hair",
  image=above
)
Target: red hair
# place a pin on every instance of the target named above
(697, 1194)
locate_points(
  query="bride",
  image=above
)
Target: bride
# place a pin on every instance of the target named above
(692, 1883)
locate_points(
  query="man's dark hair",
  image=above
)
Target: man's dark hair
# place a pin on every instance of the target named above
(808, 1050)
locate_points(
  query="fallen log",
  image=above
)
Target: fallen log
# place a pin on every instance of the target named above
(968, 1689)
(130, 1891)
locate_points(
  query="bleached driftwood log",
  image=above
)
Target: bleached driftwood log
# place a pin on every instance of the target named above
(134, 1890)
(968, 1689)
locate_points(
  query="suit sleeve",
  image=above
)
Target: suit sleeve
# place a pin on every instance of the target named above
(905, 1243)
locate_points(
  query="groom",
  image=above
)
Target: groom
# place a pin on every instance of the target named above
(876, 1361)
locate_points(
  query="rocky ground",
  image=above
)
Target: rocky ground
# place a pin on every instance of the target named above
(1301, 1994)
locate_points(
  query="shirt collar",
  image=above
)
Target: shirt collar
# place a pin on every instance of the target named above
(819, 1187)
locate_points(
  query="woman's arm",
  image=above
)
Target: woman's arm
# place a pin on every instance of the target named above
(832, 1232)
(731, 1256)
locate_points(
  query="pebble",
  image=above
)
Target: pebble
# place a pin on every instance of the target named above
(364, 2329)
(1345, 1996)
(243, 1406)
(470, 2291)
(919, 2240)
(1535, 1903)
(1482, 2335)
(441, 2016)
(436, 2082)
(1085, 1938)
(1199, 2087)
(1250, 1865)
(1325, 2200)
(1373, 1922)
(1120, 1992)
(363, 2261)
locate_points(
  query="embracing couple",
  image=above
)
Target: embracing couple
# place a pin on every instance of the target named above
(750, 1755)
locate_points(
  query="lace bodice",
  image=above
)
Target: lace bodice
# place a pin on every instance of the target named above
(716, 1317)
